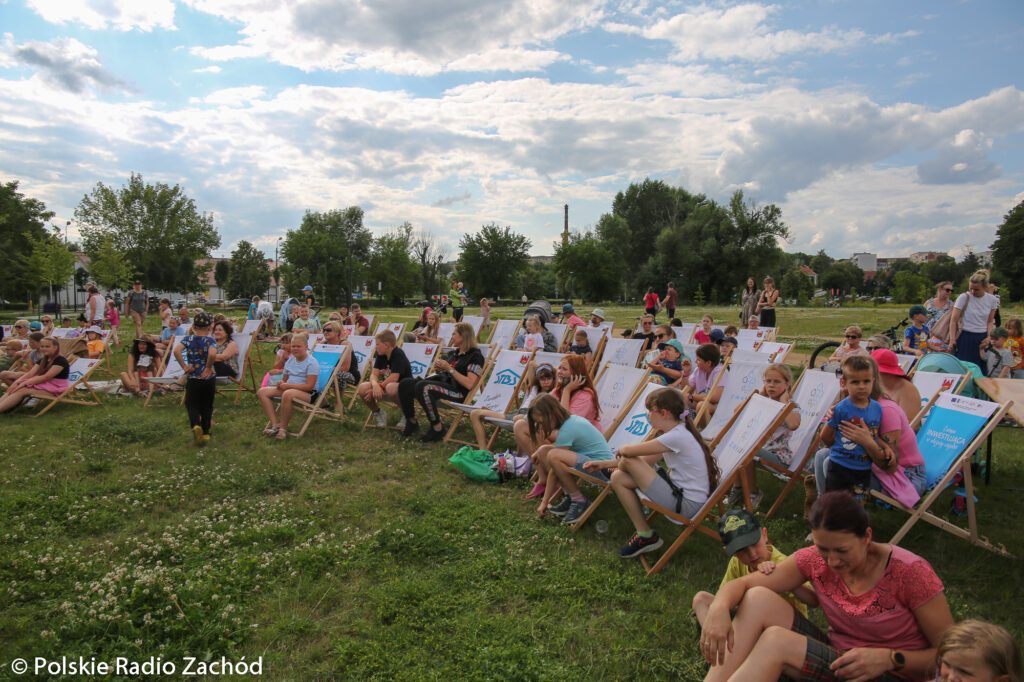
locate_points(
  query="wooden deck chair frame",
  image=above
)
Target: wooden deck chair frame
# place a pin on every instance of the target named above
(957, 388)
(717, 497)
(704, 408)
(255, 334)
(792, 474)
(684, 334)
(366, 366)
(64, 396)
(922, 511)
(756, 368)
(604, 484)
(596, 350)
(151, 385)
(386, 402)
(780, 354)
(463, 409)
(316, 409)
(236, 384)
(494, 332)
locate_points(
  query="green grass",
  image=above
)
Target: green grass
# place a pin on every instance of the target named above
(354, 555)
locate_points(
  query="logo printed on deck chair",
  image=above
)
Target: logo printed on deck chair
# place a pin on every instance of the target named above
(418, 367)
(507, 377)
(638, 426)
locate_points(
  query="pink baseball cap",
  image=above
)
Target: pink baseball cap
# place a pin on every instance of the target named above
(887, 361)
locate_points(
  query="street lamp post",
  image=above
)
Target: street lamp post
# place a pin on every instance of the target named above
(277, 271)
(350, 245)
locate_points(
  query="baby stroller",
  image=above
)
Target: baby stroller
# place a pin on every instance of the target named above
(541, 309)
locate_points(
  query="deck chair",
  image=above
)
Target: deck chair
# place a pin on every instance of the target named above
(78, 374)
(58, 333)
(330, 360)
(504, 333)
(630, 425)
(314, 340)
(930, 384)
(777, 351)
(546, 357)
(596, 339)
(815, 392)
(236, 383)
(956, 426)
(173, 371)
(255, 328)
(72, 349)
(907, 361)
(750, 339)
(739, 441)
(690, 349)
(559, 331)
(685, 332)
(363, 349)
(503, 380)
(625, 352)
(608, 327)
(475, 321)
(751, 356)
(444, 333)
(616, 385)
(742, 379)
(421, 358)
(703, 411)
(396, 327)
(771, 333)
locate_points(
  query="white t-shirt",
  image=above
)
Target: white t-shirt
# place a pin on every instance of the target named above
(97, 312)
(298, 370)
(686, 465)
(976, 315)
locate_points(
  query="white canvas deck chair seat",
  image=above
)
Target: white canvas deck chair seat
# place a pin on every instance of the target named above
(254, 328)
(738, 380)
(616, 386)
(78, 375)
(58, 333)
(931, 384)
(814, 393)
(236, 383)
(743, 436)
(172, 375)
(690, 350)
(906, 361)
(750, 339)
(104, 364)
(330, 359)
(778, 352)
(608, 327)
(684, 333)
(771, 333)
(751, 356)
(397, 328)
(625, 352)
(444, 333)
(313, 340)
(476, 322)
(504, 333)
(630, 425)
(421, 358)
(543, 357)
(560, 332)
(503, 376)
(956, 426)
(704, 411)
(363, 351)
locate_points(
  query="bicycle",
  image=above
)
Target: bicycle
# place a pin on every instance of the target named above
(892, 332)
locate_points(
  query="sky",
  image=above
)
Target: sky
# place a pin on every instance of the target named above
(875, 126)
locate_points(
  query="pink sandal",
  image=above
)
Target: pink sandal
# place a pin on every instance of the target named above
(538, 490)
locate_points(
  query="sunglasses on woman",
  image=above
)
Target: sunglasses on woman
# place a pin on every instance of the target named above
(853, 336)
(661, 336)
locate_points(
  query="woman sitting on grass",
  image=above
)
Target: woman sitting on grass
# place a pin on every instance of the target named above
(692, 471)
(301, 372)
(143, 361)
(884, 605)
(46, 379)
(568, 441)
(539, 380)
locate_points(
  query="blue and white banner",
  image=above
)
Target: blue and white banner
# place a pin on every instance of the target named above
(952, 423)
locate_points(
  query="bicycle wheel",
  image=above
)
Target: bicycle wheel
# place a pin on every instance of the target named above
(825, 350)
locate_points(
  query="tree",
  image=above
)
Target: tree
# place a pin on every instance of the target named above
(821, 263)
(328, 251)
(537, 281)
(157, 226)
(221, 274)
(21, 225)
(586, 268)
(648, 208)
(392, 264)
(48, 262)
(111, 268)
(249, 274)
(492, 259)
(942, 269)
(1008, 251)
(429, 255)
(843, 276)
(795, 284)
(908, 287)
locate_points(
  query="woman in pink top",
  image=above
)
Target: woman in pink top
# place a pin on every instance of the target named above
(884, 605)
(575, 389)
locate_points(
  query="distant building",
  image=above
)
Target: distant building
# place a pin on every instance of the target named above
(984, 258)
(208, 285)
(886, 263)
(868, 262)
(542, 259)
(810, 273)
(925, 256)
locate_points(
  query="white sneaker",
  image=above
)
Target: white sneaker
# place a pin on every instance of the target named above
(401, 423)
(380, 418)
(31, 402)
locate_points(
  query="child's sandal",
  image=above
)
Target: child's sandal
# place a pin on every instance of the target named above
(282, 434)
(271, 430)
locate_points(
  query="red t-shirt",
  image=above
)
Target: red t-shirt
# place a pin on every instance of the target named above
(651, 301)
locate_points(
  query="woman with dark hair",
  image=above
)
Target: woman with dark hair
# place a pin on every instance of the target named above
(765, 309)
(751, 295)
(884, 606)
(225, 361)
(651, 303)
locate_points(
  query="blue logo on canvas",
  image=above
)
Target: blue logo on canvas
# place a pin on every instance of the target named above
(418, 368)
(507, 377)
(360, 357)
(639, 426)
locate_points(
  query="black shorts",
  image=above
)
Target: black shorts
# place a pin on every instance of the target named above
(839, 477)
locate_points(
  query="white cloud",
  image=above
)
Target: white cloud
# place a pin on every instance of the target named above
(123, 15)
(65, 63)
(208, 69)
(739, 32)
(400, 36)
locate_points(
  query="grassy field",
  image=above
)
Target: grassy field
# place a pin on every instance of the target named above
(355, 555)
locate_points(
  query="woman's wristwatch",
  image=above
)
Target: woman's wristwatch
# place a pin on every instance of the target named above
(897, 659)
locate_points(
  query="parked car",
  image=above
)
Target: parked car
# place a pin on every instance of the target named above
(180, 303)
(239, 301)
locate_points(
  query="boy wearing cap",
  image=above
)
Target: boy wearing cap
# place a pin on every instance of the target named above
(727, 345)
(571, 318)
(668, 366)
(746, 542)
(997, 356)
(917, 334)
(195, 354)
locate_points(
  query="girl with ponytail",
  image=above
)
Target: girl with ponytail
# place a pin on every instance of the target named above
(691, 476)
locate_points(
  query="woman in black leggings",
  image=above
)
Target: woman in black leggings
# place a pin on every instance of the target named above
(456, 378)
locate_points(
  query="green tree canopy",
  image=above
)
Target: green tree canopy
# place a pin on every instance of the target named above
(222, 273)
(797, 285)
(157, 226)
(908, 287)
(492, 259)
(110, 267)
(843, 276)
(1008, 251)
(317, 253)
(21, 225)
(48, 263)
(249, 274)
(587, 268)
(392, 264)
